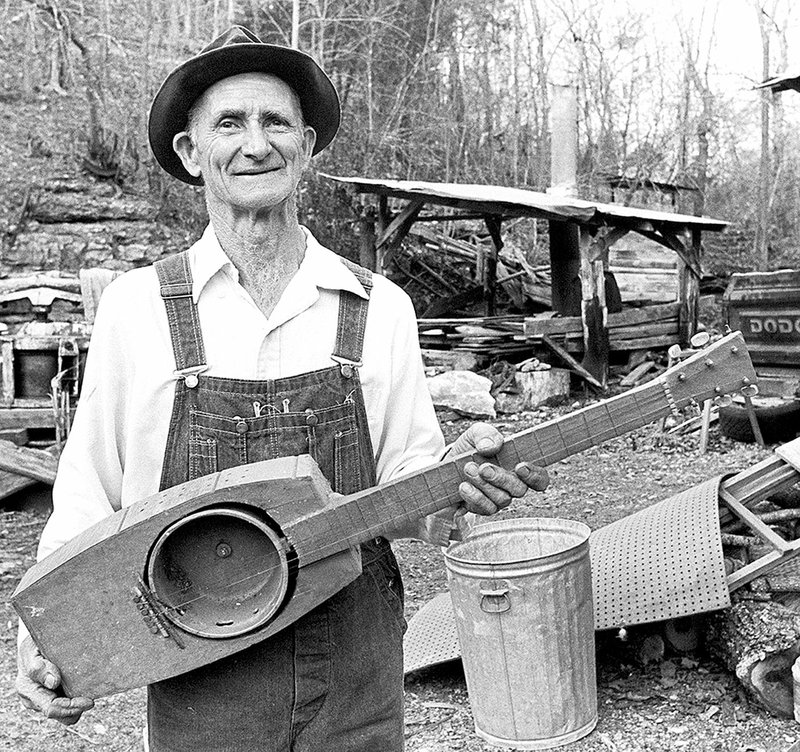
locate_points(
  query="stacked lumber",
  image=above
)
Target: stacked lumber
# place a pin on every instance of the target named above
(458, 264)
(631, 329)
(486, 335)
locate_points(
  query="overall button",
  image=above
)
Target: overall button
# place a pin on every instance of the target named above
(191, 381)
(311, 418)
(241, 424)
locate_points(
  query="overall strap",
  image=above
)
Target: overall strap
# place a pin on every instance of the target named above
(175, 278)
(352, 320)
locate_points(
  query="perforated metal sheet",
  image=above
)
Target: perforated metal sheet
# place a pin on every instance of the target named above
(431, 637)
(660, 563)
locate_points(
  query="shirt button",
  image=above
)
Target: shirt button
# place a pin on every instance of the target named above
(241, 424)
(311, 419)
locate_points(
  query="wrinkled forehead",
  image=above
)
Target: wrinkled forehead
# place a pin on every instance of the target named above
(256, 92)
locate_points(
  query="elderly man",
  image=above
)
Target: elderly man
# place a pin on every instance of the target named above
(256, 343)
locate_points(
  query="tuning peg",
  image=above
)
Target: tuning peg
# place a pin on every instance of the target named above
(723, 400)
(674, 352)
(750, 390)
(701, 339)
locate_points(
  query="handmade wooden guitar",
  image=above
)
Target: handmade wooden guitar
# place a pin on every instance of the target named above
(210, 567)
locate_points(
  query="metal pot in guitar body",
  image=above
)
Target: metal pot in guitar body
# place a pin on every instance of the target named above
(220, 572)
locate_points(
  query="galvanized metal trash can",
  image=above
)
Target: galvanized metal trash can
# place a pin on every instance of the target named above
(522, 596)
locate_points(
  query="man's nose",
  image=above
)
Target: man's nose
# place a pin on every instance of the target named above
(256, 144)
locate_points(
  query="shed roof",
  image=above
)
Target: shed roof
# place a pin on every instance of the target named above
(783, 82)
(519, 202)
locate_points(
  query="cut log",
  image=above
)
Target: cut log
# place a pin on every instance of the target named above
(759, 641)
(540, 387)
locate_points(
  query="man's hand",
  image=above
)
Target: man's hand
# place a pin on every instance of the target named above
(37, 682)
(490, 488)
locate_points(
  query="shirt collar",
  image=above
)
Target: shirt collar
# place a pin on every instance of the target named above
(207, 259)
(324, 269)
(320, 267)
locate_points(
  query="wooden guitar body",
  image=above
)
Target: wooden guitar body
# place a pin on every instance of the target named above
(210, 567)
(81, 603)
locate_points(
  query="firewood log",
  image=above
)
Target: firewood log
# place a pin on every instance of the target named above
(759, 641)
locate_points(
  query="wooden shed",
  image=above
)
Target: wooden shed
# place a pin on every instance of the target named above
(581, 236)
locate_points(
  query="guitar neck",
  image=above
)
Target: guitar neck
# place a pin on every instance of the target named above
(377, 511)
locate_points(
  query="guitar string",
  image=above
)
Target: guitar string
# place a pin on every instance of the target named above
(546, 459)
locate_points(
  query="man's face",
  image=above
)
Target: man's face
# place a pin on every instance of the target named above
(248, 141)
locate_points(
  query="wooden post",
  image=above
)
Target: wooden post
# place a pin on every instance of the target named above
(593, 307)
(367, 254)
(689, 290)
(490, 280)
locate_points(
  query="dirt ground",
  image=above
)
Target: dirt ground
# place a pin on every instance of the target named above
(680, 703)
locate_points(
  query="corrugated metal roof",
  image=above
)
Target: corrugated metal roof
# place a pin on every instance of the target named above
(782, 82)
(522, 202)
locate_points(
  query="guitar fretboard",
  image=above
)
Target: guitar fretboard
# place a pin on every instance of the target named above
(377, 511)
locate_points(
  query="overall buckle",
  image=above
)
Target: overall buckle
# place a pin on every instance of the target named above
(346, 366)
(189, 375)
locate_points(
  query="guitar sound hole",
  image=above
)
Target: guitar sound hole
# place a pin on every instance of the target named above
(219, 572)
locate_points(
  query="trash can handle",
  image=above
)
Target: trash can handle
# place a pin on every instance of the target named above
(494, 597)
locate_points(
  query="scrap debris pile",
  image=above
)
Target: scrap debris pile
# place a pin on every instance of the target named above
(447, 278)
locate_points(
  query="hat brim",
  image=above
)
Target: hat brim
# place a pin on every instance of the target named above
(181, 89)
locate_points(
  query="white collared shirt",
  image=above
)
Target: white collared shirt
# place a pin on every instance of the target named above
(115, 450)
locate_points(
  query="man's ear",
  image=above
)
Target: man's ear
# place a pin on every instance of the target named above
(309, 139)
(184, 147)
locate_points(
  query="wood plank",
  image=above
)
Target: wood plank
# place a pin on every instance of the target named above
(536, 325)
(571, 363)
(766, 533)
(637, 373)
(11, 483)
(37, 464)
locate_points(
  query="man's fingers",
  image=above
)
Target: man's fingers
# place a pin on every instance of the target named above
(534, 477)
(494, 483)
(475, 501)
(44, 672)
(33, 695)
(68, 710)
(500, 479)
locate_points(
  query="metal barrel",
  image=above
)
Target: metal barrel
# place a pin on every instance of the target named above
(522, 597)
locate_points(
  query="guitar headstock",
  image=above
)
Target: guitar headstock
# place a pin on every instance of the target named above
(719, 368)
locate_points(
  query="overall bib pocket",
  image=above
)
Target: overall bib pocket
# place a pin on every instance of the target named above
(328, 434)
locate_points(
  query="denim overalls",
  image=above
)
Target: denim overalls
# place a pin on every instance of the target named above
(333, 681)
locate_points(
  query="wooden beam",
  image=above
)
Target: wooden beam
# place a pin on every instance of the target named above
(493, 224)
(30, 463)
(672, 240)
(571, 363)
(392, 236)
(604, 239)
(402, 221)
(593, 309)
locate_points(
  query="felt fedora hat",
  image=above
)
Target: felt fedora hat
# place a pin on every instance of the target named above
(237, 51)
